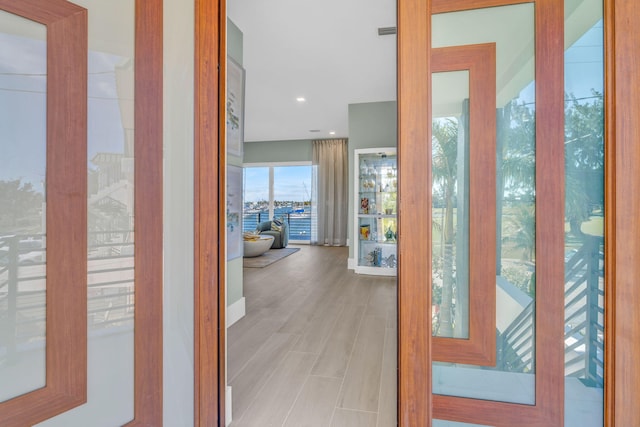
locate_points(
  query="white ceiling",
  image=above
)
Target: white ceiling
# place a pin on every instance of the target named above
(328, 52)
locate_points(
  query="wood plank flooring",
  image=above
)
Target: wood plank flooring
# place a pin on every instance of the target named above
(317, 346)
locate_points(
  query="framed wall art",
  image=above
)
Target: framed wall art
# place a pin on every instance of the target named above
(235, 108)
(234, 212)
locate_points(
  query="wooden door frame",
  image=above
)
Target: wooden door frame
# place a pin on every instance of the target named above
(209, 218)
(622, 177)
(66, 296)
(66, 215)
(547, 409)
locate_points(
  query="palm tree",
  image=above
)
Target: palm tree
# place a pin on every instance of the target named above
(584, 158)
(584, 155)
(444, 170)
(522, 235)
(517, 157)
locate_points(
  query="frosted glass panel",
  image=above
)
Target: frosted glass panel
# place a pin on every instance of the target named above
(511, 28)
(111, 242)
(23, 98)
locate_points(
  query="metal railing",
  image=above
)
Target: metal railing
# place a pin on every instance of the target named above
(111, 295)
(584, 312)
(516, 343)
(584, 320)
(110, 289)
(299, 223)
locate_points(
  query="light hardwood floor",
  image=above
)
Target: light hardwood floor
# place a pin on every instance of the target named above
(317, 346)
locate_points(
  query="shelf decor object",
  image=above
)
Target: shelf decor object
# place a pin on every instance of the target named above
(375, 220)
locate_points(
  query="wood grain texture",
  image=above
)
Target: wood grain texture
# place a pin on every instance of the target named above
(622, 109)
(414, 227)
(480, 61)
(388, 399)
(66, 214)
(333, 360)
(210, 258)
(315, 405)
(361, 386)
(148, 208)
(258, 370)
(350, 418)
(550, 202)
(443, 6)
(41, 11)
(315, 277)
(319, 329)
(610, 214)
(279, 394)
(549, 408)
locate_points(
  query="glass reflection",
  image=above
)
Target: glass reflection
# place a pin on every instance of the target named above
(512, 379)
(23, 80)
(450, 170)
(110, 208)
(584, 215)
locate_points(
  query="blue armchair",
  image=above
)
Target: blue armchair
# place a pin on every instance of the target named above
(280, 238)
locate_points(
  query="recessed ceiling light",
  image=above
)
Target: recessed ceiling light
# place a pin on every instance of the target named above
(332, 133)
(300, 99)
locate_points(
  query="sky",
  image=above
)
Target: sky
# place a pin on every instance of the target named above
(583, 63)
(290, 183)
(23, 108)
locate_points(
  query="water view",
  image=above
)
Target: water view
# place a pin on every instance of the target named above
(283, 189)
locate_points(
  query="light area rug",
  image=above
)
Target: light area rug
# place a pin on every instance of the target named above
(269, 257)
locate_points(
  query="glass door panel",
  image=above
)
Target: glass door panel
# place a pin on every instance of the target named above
(450, 216)
(510, 377)
(23, 152)
(110, 205)
(584, 215)
(280, 192)
(292, 200)
(255, 197)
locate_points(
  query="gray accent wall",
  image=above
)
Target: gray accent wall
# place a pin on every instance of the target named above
(278, 151)
(371, 124)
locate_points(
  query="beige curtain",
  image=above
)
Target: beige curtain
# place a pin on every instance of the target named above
(329, 202)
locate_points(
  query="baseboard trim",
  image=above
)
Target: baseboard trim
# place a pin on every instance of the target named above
(227, 403)
(235, 311)
(351, 263)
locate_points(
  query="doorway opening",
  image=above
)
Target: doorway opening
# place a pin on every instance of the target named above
(310, 340)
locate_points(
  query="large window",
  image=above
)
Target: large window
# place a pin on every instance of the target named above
(278, 191)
